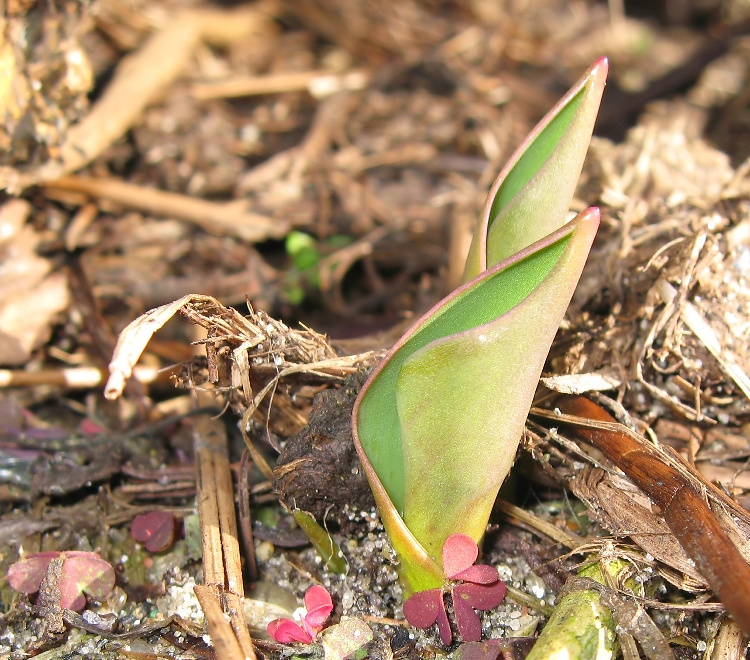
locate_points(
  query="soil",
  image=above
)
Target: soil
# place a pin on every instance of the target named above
(301, 180)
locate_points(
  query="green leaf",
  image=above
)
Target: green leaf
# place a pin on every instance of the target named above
(462, 401)
(531, 195)
(440, 419)
(464, 310)
(303, 250)
(327, 548)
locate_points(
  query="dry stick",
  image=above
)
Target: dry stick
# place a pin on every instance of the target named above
(228, 218)
(318, 83)
(245, 517)
(103, 339)
(76, 377)
(515, 514)
(224, 642)
(684, 510)
(222, 570)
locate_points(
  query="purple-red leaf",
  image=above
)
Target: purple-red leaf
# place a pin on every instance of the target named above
(479, 574)
(444, 626)
(459, 553)
(154, 529)
(26, 575)
(467, 619)
(81, 572)
(422, 608)
(285, 631)
(481, 596)
(488, 650)
(90, 573)
(71, 597)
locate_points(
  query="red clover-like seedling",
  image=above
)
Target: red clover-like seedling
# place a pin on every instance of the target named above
(472, 587)
(318, 607)
(154, 530)
(81, 572)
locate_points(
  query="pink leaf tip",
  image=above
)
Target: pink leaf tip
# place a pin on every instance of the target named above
(319, 606)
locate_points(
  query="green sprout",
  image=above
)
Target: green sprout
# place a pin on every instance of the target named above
(438, 423)
(308, 257)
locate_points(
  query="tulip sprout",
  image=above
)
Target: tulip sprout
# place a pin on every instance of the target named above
(438, 423)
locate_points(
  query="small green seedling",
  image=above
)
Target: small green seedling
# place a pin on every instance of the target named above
(437, 424)
(308, 258)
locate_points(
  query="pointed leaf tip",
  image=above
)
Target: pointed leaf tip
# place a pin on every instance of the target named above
(601, 66)
(531, 195)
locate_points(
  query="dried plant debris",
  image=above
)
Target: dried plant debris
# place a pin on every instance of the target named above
(247, 357)
(34, 295)
(46, 81)
(663, 306)
(373, 129)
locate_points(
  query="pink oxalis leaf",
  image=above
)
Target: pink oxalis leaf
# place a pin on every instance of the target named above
(425, 608)
(285, 631)
(318, 606)
(467, 620)
(82, 572)
(422, 608)
(27, 574)
(459, 553)
(482, 596)
(479, 574)
(155, 530)
(480, 588)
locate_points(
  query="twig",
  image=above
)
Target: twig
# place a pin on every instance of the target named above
(219, 218)
(318, 83)
(513, 513)
(76, 377)
(245, 518)
(225, 644)
(221, 596)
